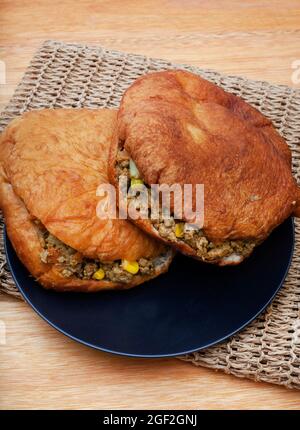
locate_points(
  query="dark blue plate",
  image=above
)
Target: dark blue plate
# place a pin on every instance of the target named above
(191, 307)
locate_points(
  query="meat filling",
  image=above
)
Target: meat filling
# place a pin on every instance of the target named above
(177, 231)
(73, 264)
(195, 238)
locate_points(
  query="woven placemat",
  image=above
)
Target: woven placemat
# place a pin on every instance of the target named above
(70, 75)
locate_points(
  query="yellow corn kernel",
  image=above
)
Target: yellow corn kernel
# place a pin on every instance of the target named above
(135, 181)
(179, 229)
(131, 266)
(99, 274)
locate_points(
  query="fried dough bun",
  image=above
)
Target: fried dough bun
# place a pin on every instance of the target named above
(52, 162)
(180, 128)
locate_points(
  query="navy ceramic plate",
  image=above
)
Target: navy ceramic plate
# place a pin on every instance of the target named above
(191, 307)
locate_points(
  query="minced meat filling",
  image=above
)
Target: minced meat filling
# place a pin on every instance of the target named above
(122, 164)
(195, 238)
(72, 263)
(205, 249)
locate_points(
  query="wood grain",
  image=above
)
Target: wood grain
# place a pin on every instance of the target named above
(40, 368)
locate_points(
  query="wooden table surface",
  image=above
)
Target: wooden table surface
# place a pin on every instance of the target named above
(41, 368)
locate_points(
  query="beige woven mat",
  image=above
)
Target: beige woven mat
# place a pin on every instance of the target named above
(67, 75)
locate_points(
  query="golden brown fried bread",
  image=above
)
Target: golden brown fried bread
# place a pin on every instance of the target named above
(52, 162)
(180, 128)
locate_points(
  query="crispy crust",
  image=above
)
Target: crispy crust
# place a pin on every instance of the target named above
(62, 154)
(180, 245)
(194, 132)
(25, 238)
(143, 224)
(59, 154)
